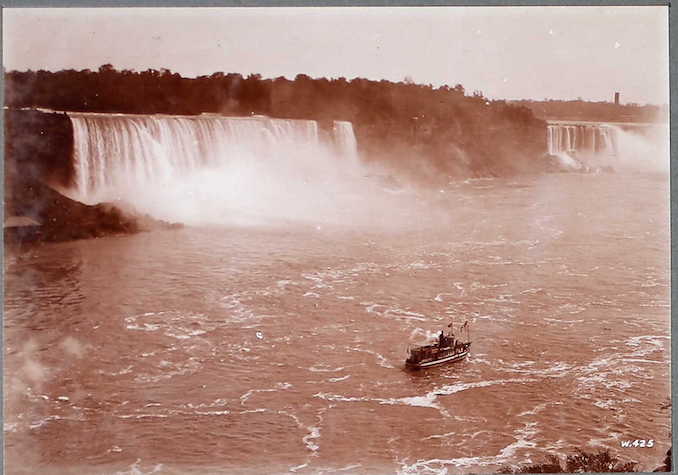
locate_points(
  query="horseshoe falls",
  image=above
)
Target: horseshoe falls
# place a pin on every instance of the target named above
(634, 147)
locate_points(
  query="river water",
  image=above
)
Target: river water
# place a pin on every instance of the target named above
(281, 349)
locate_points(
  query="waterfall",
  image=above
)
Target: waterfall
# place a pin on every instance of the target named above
(212, 169)
(623, 146)
(345, 138)
(582, 139)
(116, 152)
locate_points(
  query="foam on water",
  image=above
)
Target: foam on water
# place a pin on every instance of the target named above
(393, 311)
(175, 324)
(136, 469)
(428, 400)
(321, 368)
(539, 408)
(524, 440)
(251, 392)
(381, 360)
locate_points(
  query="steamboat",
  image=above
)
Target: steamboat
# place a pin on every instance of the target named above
(447, 349)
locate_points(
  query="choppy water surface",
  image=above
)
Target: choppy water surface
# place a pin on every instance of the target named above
(212, 350)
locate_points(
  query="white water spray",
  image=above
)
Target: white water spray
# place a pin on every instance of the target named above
(644, 152)
(212, 169)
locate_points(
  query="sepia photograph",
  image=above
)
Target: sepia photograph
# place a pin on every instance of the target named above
(358, 240)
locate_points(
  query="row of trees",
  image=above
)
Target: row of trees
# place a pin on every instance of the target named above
(417, 127)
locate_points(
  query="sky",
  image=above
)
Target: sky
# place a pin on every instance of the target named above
(505, 52)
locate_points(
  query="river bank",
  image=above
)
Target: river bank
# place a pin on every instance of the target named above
(55, 217)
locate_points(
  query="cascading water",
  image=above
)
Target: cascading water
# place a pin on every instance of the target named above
(113, 151)
(622, 146)
(583, 139)
(345, 138)
(185, 167)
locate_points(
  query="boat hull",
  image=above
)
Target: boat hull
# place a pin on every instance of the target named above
(444, 360)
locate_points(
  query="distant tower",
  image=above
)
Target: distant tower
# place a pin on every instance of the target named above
(616, 98)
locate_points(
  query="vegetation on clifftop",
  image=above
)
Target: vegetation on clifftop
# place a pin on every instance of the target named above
(581, 461)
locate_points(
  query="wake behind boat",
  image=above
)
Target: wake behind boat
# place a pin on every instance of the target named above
(446, 349)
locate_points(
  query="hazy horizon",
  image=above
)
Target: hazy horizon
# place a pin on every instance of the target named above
(513, 53)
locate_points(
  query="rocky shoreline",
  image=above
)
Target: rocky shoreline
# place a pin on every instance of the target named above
(57, 218)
